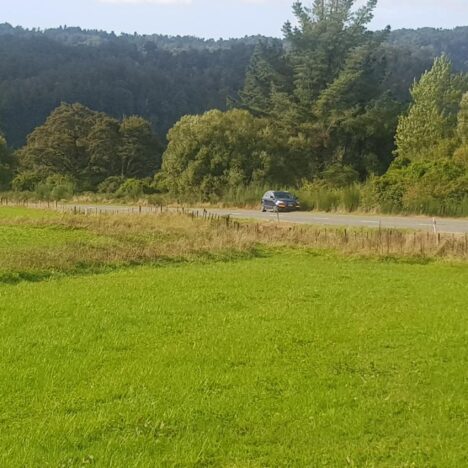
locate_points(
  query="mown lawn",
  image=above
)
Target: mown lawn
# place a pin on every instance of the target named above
(293, 359)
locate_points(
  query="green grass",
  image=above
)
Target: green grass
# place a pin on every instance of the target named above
(288, 360)
(13, 213)
(24, 237)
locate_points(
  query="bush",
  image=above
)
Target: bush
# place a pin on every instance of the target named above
(56, 187)
(338, 175)
(425, 187)
(250, 195)
(351, 198)
(111, 184)
(321, 197)
(26, 181)
(461, 156)
(134, 189)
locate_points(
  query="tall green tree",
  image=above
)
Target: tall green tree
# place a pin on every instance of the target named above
(427, 131)
(326, 83)
(103, 145)
(88, 147)
(6, 164)
(461, 154)
(139, 150)
(462, 127)
(324, 41)
(268, 72)
(60, 145)
(211, 153)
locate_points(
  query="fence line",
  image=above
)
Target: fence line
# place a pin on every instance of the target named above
(379, 241)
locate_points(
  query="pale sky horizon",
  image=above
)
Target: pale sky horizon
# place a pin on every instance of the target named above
(212, 18)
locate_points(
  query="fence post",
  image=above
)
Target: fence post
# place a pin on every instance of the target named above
(436, 234)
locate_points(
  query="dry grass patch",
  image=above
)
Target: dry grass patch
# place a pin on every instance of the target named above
(76, 242)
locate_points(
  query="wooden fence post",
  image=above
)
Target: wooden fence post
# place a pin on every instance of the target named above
(436, 234)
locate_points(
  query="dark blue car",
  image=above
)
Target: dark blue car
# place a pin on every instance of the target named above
(279, 201)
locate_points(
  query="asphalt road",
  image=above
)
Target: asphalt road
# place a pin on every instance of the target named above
(419, 223)
(447, 225)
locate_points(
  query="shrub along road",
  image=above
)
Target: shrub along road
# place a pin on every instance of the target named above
(419, 223)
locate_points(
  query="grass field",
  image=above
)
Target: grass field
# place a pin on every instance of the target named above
(274, 358)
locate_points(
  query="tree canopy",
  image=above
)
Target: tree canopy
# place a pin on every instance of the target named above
(163, 78)
(330, 104)
(211, 153)
(326, 86)
(427, 131)
(6, 164)
(89, 147)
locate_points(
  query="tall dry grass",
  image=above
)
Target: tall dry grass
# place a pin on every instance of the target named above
(124, 239)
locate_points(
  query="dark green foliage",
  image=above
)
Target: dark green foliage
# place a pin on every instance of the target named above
(268, 73)
(462, 121)
(417, 186)
(320, 106)
(88, 147)
(26, 181)
(428, 131)
(111, 184)
(323, 98)
(325, 87)
(134, 188)
(210, 154)
(103, 149)
(60, 146)
(434, 42)
(56, 187)
(337, 175)
(163, 78)
(139, 152)
(461, 154)
(159, 78)
(6, 164)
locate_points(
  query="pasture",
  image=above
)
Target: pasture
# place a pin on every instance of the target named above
(244, 355)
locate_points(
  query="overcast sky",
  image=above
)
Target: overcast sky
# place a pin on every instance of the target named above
(211, 18)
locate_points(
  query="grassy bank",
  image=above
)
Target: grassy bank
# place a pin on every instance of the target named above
(291, 360)
(35, 244)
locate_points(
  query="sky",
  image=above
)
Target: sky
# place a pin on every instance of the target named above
(212, 18)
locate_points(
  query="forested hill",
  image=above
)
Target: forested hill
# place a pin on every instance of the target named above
(435, 42)
(159, 77)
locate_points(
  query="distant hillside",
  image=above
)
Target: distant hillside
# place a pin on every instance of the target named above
(159, 77)
(435, 42)
(77, 36)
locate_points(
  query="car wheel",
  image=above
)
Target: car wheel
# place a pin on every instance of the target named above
(263, 209)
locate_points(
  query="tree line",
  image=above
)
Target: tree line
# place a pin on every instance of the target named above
(164, 78)
(329, 105)
(320, 107)
(158, 79)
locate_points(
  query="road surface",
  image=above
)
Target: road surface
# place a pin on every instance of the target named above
(419, 223)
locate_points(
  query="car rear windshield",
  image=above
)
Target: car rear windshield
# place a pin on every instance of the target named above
(285, 195)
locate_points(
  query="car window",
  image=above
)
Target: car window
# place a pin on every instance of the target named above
(283, 195)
